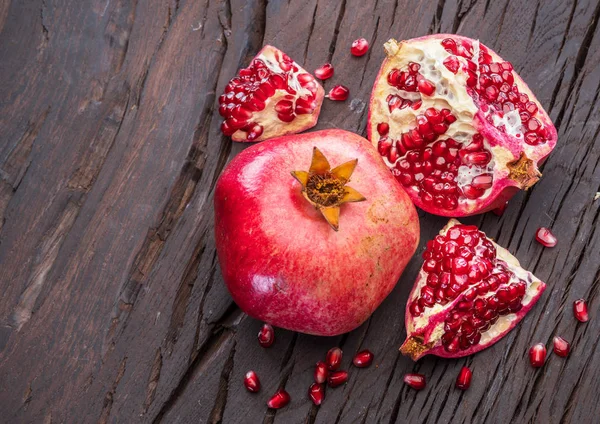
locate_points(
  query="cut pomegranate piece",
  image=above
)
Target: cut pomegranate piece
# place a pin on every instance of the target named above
(321, 372)
(334, 358)
(469, 294)
(337, 378)
(545, 237)
(316, 393)
(499, 211)
(463, 131)
(252, 382)
(363, 359)
(280, 399)
(416, 381)
(580, 310)
(324, 72)
(338, 93)
(463, 381)
(561, 346)
(359, 47)
(537, 355)
(266, 335)
(273, 96)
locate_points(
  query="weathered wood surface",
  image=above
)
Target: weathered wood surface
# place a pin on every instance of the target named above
(113, 307)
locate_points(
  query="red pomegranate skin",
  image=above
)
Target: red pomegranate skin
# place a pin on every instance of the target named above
(280, 259)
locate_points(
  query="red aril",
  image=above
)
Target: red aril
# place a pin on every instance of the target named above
(252, 382)
(337, 378)
(561, 346)
(338, 93)
(316, 393)
(334, 358)
(359, 47)
(537, 355)
(363, 359)
(273, 96)
(320, 372)
(469, 294)
(545, 237)
(280, 399)
(324, 72)
(294, 217)
(416, 381)
(580, 310)
(463, 381)
(266, 335)
(464, 132)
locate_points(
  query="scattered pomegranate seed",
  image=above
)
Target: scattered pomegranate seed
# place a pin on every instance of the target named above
(363, 359)
(359, 47)
(252, 382)
(324, 72)
(266, 335)
(499, 211)
(334, 358)
(561, 346)
(545, 237)
(463, 381)
(580, 310)
(537, 355)
(416, 381)
(338, 93)
(321, 372)
(337, 378)
(316, 393)
(279, 399)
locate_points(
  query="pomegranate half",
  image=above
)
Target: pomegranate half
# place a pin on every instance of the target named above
(312, 232)
(460, 130)
(273, 96)
(469, 294)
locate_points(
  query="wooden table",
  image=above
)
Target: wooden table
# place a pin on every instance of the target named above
(113, 307)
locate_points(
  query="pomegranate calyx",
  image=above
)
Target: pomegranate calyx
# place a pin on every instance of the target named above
(523, 171)
(414, 347)
(326, 188)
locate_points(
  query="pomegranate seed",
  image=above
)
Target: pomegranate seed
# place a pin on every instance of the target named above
(499, 211)
(334, 358)
(363, 359)
(561, 346)
(321, 372)
(316, 393)
(426, 87)
(463, 381)
(416, 381)
(337, 378)
(266, 335)
(359, 47)
(252, 382)
(339, 93)
(324, 72)
(580, 309)
(452, 63)
(383, 128)
(537, 355)
(545, 237)
(279, 399)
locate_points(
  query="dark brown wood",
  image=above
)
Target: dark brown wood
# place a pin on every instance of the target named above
(113, 307)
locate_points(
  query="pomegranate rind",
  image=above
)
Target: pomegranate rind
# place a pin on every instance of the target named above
(424, 332)
(505, 149)
(282, 262)
(272, 126)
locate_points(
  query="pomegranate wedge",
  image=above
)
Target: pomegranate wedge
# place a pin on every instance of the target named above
(459, 129)
(469, 294)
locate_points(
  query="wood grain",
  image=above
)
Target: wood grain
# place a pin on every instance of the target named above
(113, 306)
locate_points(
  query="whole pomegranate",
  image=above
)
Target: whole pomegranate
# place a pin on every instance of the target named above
(460, 130)
(469, 294)
(312, 231)
(271, 97)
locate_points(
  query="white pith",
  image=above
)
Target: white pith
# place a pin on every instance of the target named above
(267, 118)
(419, 324)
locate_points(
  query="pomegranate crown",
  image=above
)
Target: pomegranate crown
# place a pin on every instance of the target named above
(326, 188)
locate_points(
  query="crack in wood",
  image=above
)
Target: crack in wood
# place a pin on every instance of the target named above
(216, 414)
(109, 396)
(336, 30)
(534, 23)
(153, 381)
